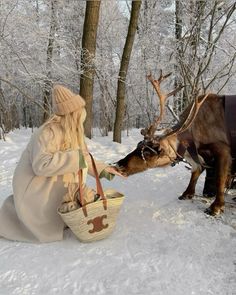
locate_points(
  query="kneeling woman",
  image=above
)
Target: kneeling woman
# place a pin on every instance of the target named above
(49, 164)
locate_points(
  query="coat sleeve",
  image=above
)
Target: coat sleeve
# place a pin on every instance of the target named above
(100, 167)
(46, 162)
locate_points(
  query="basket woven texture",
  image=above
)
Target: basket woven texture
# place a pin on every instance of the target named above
(96, 220)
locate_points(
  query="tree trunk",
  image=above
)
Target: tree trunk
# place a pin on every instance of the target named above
(47, 101)
(2, 113)
(178, 35)
(120, 106)
(87, 57)
(37, 10)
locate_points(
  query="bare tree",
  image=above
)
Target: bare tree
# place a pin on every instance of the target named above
(48, 81)
(33, 55)
(197, 48)
(120, 108)
(88, 53)
(178, 49)
(3, 113)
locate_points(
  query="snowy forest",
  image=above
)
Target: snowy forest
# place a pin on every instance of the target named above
(164, 243)
(43, 42)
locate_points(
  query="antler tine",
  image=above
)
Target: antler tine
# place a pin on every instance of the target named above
(161, 77)
(193, 113)
(149, 132)
(190, 118)
(162, 96)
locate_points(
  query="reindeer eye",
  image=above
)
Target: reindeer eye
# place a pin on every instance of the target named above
(147, 152)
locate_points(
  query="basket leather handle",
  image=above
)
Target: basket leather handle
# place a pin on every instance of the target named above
(98, 187)
(98, 182)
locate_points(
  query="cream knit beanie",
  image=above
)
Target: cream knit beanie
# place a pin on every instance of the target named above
(65, 101)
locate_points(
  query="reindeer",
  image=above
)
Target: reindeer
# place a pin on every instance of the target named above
(200, 137)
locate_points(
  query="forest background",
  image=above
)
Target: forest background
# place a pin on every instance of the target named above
(104, 50)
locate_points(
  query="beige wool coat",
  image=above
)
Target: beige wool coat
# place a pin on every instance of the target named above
(30, 214)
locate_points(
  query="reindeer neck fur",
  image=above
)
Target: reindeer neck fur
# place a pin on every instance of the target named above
(169, 147)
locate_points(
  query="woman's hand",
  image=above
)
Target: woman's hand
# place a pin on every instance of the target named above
(114, 170)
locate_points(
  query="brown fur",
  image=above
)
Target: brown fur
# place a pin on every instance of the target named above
(208, 132)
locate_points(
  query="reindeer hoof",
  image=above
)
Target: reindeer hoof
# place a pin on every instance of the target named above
(186, 197)
(214, 211)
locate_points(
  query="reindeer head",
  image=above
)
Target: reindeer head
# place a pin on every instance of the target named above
(158, 150)
(148, 154)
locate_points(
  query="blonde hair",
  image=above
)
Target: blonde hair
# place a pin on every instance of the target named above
(72, 128)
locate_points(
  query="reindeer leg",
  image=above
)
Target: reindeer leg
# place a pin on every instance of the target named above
(190, 190)
(223, 162)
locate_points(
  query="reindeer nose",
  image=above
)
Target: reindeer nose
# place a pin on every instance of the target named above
(117, 164)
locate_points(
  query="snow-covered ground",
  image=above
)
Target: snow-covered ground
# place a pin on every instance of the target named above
(161, 246)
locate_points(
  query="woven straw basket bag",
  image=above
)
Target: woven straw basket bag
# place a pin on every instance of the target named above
(96, 220)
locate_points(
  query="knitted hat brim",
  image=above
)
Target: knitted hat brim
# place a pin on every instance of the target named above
(73, 104)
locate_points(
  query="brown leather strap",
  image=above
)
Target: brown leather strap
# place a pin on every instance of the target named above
(98, 182)
(81, 193)
(98, 186)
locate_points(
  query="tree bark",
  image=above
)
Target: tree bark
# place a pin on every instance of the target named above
(87, 57)
(2, 113)
(47, 101)
(178, 35)
(120, 106)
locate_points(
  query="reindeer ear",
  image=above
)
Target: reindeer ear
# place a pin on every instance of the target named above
(144, 131)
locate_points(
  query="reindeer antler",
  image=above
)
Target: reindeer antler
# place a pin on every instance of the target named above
(190, 118)
(149, 131)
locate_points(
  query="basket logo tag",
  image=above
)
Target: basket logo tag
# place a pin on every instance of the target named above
(97, 224)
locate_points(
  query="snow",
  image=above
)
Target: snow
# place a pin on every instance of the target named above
(161, 245)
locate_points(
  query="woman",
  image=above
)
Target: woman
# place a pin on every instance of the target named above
(47, 168)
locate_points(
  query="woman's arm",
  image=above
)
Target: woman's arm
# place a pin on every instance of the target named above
(47, 163)
(104, 170)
